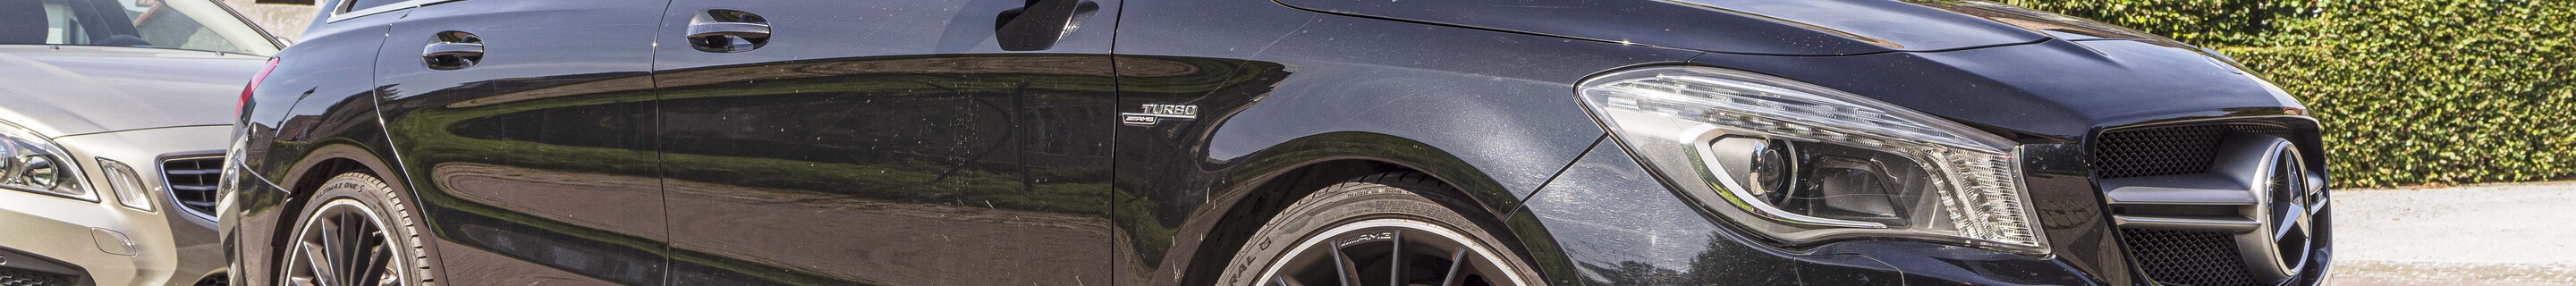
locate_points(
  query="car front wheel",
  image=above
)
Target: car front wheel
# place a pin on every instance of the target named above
(1384, 229)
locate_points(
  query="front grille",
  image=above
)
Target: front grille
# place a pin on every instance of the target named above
(192, 182)
(15, 277)
(2196, 258)
(2157, 151)
(2176, 256)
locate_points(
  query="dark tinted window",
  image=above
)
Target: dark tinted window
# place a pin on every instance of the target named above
(355, 5)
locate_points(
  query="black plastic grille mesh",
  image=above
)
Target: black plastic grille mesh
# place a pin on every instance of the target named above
(15, 277)
(2182, 257)
(193, 181)
(2157, 151)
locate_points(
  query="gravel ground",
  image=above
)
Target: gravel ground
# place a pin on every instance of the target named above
(2495, 234)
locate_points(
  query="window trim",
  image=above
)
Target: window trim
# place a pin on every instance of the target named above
(342, 12)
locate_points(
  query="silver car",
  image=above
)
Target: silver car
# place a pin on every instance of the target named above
(113, 115)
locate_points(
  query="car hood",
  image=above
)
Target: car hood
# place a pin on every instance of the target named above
(2061, 89)
(1763, 27)
(70, 90)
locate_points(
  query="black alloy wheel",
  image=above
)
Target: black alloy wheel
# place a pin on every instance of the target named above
(1392, 229)
(1388, 252)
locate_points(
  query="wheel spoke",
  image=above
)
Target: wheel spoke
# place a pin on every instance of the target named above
(1395, 258)
(352, 234)
(316, 260)
(343, 244)
(1348, 266)
(377, 259)
(1353, 248)
(329, 250)
(379, 253)
(1342, 267)
(1455, 261)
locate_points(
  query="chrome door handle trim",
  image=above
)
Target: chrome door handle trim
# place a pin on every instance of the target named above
(452, 49)
(737, 29)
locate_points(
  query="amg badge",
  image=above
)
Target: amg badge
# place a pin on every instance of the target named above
(1156, 112)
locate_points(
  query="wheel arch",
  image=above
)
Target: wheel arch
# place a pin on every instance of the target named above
(1248, 195)
(307, 174)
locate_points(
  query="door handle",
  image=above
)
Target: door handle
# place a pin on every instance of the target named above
(453, 50)
(737, 29)
(728, 31)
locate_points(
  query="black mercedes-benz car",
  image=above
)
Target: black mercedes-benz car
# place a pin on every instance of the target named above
(1249, 142)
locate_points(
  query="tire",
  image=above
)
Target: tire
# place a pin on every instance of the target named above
(358, 201)
(1350, 219)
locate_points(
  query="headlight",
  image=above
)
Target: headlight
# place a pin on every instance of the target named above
(34, 164)
(1802, 163)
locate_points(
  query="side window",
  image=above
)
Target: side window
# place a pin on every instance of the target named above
(194, 25)
(355, 5)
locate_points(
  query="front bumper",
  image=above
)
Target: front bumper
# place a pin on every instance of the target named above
(1614, 224)
(104, 243)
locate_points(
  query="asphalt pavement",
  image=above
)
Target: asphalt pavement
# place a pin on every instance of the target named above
(2489, 234)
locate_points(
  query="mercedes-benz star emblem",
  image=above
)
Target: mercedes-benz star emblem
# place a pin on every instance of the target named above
(2290, 202)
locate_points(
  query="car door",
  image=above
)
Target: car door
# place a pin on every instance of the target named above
(526, 128)
(912, 142)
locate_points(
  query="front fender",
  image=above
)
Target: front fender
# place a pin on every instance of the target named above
(1266, 168)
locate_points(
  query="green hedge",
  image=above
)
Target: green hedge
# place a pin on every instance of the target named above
(2410, 91)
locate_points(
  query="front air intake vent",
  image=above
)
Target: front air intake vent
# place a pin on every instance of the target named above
(16, 277)
(2167, 150)
(2157, 151)
(2196, 258)
(192, 183)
